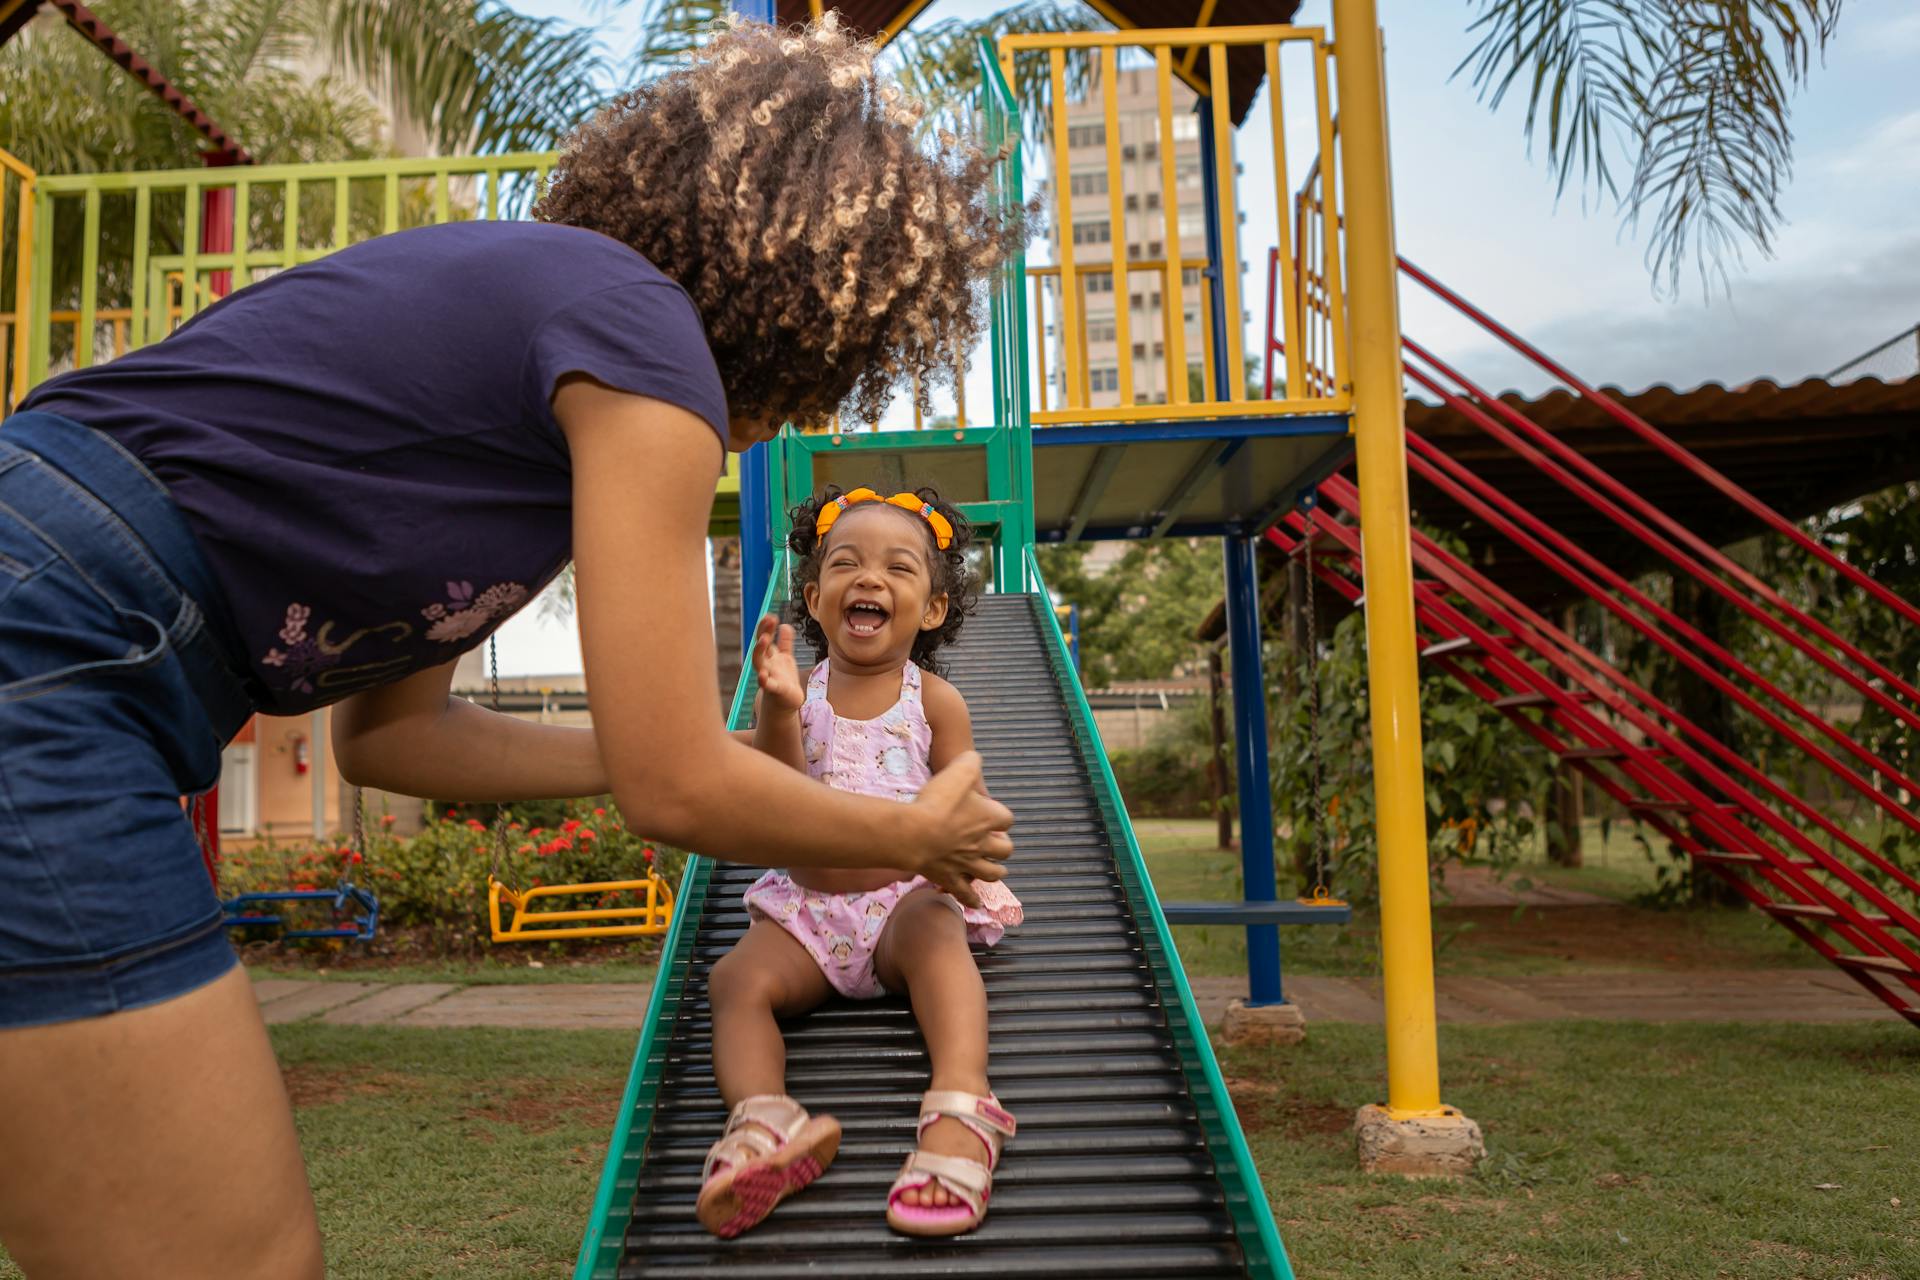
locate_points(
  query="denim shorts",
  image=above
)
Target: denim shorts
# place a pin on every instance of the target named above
(117, 695)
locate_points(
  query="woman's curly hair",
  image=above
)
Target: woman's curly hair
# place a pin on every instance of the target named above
(951, 574)
(832, 256)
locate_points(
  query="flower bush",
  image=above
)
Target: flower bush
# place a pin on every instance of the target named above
(437, 880)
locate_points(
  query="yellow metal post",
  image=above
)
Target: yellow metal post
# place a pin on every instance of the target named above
(1380, 453)
(23, 275)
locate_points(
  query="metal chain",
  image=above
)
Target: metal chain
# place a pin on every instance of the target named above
(1320, 833)
(359, 845)
(499, 811)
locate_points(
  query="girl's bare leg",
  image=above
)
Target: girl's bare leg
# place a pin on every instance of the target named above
(156, 1143)
(923, 951)
(767, 975)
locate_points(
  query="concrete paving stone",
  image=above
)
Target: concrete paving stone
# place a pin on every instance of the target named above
(611, 1005)
(269, 989)
(1500, 1001)
(317, 998)
(388, 1003)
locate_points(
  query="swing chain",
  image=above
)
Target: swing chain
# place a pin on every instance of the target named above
(499, 810)
(359, 846)
(1321, 835)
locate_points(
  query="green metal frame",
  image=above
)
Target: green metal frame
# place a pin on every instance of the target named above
(613, 1205)
(1233, 1161)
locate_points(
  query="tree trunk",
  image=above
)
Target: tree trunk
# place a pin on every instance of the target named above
(726, 615)
(1217, 758)
(1706, 707)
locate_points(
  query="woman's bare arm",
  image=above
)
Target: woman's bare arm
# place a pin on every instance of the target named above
(413, 738)
(643, 488)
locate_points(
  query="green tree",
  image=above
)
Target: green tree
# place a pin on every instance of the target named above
(1137, 619)
(475, 74)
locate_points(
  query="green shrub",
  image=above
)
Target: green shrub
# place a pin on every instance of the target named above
(437, 880)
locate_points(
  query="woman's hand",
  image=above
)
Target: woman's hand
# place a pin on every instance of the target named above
(774, 668)
(965, 830)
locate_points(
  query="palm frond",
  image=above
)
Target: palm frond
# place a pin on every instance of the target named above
(940, 65)
(1691, 97)
(476, 75)
(672, 29)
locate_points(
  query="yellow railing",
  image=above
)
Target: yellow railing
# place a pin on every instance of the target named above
(1316, 349)
(1175, 272)
(17, 178)
(147, 263)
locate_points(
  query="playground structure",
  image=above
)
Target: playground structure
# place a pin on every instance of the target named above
(1131, 1159)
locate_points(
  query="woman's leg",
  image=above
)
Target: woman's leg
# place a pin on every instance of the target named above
(157, 1143)
(767, 975)
(923, 951)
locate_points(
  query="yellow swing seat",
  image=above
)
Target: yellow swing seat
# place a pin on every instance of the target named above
(529, 924)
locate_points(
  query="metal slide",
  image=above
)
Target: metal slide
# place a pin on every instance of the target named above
(1129, 1159)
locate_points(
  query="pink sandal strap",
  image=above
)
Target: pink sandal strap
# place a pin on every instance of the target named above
(968, 1180)
(989, 1121)
(756, 1128)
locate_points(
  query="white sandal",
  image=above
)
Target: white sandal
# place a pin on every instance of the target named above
(969, 1181)
(771, 1148)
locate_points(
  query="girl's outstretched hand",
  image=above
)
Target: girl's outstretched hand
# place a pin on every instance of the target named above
(773, 665)
(965, 830)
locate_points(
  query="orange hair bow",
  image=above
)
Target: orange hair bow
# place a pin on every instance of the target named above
(942, 527)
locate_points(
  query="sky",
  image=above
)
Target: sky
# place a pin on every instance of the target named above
(1473, 208)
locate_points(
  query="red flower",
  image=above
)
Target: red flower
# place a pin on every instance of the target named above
(538, 831)
(303, 888)
(570, 825)
(599, 813)
(355, 857)
(586, 833)
(648, 855)
(525, 848)
(386, 819)
(476, 824)
(513, 826)
(536, 882)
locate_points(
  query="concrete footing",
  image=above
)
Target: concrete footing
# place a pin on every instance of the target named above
(1447, 1145)
(1264, 1024)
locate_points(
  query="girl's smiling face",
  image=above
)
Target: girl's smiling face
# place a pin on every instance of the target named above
(875, 591)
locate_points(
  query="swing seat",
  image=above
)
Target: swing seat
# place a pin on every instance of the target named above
(528, 924)
(241, 912)
(1295, 911)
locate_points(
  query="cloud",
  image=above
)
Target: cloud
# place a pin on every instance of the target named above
(1890, 148)
(1787, 327)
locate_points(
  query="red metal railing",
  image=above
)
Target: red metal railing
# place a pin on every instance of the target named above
(1731, 817)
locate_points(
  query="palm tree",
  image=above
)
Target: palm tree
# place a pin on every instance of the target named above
(295, 80)
(1676, 109)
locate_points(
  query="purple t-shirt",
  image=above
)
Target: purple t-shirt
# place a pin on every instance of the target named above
(365, 445)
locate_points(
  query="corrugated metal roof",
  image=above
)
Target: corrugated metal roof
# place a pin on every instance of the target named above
(1246, 67)
(1710, 403)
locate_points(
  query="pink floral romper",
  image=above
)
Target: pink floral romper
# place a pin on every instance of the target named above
(885, 757)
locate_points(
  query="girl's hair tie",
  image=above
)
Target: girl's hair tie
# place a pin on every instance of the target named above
(941, 526)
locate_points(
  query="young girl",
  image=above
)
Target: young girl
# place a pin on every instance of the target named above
(881, 585)
(326, 487)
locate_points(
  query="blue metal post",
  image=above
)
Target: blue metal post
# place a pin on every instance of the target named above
(756, 520)
(1250, 753)
(1217, 317)
(756, 539)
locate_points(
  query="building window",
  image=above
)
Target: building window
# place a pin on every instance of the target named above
(1190, 276)
(1192, 225)
(1087, 135)
(1187, 173)
(1139, 351)
(1092, 233)
(1153, 199)
(1186, 128)
(1103, 378)
(1133, 203)
(1129, 152)
(1099, 281)
(1087, 184)
(1153, 248)
(1151, 151)
(1101, 331)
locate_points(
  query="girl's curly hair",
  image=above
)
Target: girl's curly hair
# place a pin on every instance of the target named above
(831, 256)
(951, 573)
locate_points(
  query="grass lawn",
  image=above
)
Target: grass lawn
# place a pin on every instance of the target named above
(1616, 1150)
(1476, 941)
